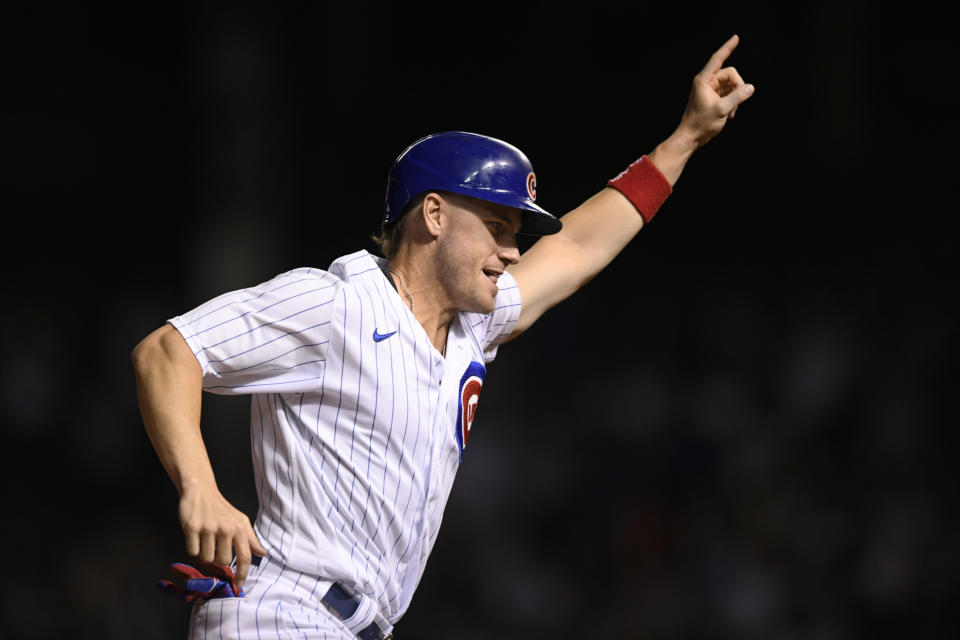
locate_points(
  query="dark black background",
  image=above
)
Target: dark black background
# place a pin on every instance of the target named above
(743, 428)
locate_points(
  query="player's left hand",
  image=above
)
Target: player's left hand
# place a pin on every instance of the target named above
(717, 92)
(215, 581)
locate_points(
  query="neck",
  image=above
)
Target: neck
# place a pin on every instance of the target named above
(418, 288)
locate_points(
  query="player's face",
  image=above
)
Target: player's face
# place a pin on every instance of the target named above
(478, 245)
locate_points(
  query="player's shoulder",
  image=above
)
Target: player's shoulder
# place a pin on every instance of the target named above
(356, 272)
(340, 272)
(358, 265)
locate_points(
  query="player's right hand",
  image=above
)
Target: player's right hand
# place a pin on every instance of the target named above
(215, 531)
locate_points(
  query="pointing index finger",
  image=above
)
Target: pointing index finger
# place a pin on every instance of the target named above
(720, 55)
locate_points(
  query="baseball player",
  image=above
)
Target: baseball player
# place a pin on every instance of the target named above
(364, 378)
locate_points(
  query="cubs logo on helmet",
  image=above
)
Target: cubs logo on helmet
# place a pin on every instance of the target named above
(470, 385)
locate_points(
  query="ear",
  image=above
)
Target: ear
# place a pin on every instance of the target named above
(432, 212)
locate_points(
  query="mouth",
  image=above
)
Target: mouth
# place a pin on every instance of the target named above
(492, 275)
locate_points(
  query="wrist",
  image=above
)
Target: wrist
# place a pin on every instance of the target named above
(671, 155)
(683, 141)
(644, 186)
(196, 482)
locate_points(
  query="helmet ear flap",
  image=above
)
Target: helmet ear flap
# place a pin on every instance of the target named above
(391, 211)
(468, 164)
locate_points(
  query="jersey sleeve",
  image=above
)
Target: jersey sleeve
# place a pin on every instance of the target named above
(268, 338)
(492, 329)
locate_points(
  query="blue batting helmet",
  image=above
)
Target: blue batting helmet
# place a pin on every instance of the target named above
(471, 165)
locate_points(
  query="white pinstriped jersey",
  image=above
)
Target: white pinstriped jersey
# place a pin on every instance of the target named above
(356, 431)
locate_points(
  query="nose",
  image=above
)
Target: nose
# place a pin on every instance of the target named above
(510, 252)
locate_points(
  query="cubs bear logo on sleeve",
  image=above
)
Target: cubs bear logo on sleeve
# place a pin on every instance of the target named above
(470, 385)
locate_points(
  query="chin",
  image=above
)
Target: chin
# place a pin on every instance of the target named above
(488, 308)
(483, 303)
(478, 297)
(480, 306)
(490, 301)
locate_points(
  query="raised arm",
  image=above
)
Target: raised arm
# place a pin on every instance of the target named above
(596, 231)
(169, 388)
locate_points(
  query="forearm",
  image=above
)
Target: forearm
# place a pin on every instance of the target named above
(671, 155)
(593, 234)
(596, 231)
(601, 227)
(169, 390)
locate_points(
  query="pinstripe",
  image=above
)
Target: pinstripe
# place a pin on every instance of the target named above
(293, 366)
(256, 297)
(314, 590)
(261, 310)
(422, 498)
(276, 620)
(403, 437)
(276, 429)
(336, 420)
(353, 431)
(365, 271)
(386, 446)
(320, 404)
(452, 461)
(238, 622)
(469, 331)
(260, 601)
(295, 625)
(417, 439)
(268, 342)
(416, 521)
(376, 404)
(274, 448)
(364, 510)
(262, 326)
(264, 384)
(289, 615)
(263, 447)
(323, 388)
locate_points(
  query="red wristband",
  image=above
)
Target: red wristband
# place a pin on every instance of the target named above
(644, 186)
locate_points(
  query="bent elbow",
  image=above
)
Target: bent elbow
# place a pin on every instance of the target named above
(163, 345)
(144, 353)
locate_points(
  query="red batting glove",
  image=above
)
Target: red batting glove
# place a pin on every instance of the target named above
(217, 581)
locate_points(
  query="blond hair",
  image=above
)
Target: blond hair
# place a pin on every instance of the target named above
(389, 237)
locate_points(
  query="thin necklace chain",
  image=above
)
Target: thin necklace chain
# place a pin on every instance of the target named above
(409, 297)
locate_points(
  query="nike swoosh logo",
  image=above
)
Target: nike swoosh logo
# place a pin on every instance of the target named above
(379, 337)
